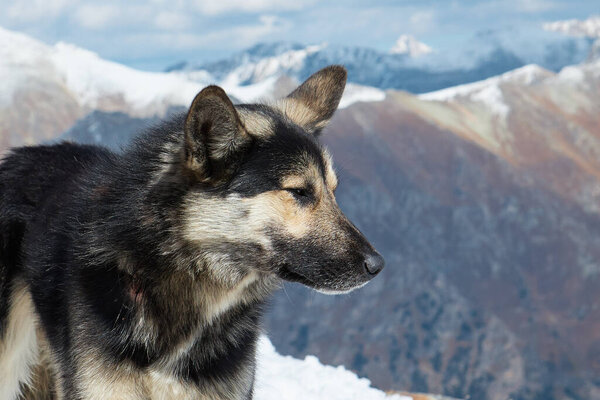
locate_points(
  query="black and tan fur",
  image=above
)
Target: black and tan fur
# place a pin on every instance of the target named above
(143, 275)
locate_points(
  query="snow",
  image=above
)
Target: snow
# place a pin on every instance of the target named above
(407, 44)
(15, 64)
(91, 80)
(572, 75)
(489, 91)
(261, 91)
(355, 93)
(574, 27)
(88, 77)
(256, 92)
(267, 67)
(493, 98)
(286, 378)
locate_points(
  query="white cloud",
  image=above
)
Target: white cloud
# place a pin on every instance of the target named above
(34, 10)
(223, 6)
(236, 37)
(574, 27)
(172, 21)
(422, 21)
(535, 6)
(96, 16)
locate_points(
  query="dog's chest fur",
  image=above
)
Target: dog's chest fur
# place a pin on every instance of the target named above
(213, 360)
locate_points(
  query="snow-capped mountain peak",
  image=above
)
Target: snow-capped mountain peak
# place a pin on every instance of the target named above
(407, 44)
(75, 81)
(87, 78)
(270, 66)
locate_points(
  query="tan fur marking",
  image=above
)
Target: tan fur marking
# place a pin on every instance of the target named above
(163, 386)
(299, 113)
(283, 208)
(18, 346)
(294, 182)
(43, 375)
(330, 175)
(97, 381)
(229, 298)
(256, 124)
(285, 212)
(211, 219)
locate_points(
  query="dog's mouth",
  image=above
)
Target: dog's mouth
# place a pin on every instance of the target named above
(291, 276)
(287, 274)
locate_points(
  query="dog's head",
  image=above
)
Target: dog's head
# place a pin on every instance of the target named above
(265, 194)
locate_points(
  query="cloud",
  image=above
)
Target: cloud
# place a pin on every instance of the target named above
(235, 38)
(168, 20)
(34, 10)
(160, 29)
(96, 16)
(535, 6)
(422, 21)
(251, 6)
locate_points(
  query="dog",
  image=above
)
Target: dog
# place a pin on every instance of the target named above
(144, 274)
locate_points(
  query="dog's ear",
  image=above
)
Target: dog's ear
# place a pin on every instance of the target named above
(313, 103)
(215, 138)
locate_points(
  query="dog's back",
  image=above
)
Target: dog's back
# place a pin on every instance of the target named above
(29, 178)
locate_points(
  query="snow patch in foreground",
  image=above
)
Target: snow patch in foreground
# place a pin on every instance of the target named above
(286, 378)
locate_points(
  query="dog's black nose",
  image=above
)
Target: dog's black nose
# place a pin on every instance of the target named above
(374, 264)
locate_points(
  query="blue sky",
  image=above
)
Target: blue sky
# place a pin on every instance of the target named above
(152, 34)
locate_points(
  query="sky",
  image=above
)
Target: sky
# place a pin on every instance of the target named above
(153, 34)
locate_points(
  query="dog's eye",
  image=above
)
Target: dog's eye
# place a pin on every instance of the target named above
(300, 193)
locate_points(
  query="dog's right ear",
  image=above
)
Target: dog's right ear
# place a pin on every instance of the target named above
(215, 138)
(313, 103)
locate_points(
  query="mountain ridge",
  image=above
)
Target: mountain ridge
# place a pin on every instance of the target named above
(493, 53)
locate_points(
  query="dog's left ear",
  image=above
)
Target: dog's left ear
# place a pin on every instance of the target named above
(215, 138)
(313, 103)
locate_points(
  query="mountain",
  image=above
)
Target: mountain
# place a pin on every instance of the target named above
(489, 53)
(484, 200)
(46, 89)
(407, 44)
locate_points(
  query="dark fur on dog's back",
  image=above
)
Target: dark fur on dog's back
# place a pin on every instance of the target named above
(30, 177)
(143, 274)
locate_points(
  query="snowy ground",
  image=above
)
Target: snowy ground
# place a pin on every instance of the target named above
(287, 378)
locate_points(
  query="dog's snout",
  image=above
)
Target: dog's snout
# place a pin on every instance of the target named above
(374, 264)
